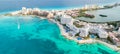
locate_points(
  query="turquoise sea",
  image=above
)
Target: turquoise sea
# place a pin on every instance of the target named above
(32, 35)
(38, 36)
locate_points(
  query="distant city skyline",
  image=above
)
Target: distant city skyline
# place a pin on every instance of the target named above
(45, 4)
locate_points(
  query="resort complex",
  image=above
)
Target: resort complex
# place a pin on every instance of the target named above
(81, 31)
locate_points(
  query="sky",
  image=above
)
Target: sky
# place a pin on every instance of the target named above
(17, 4)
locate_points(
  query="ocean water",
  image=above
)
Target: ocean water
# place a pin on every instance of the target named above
(38, 36)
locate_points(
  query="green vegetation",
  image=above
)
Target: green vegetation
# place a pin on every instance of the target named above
(83, 14)
(77, 34)
(109, 39)
(86, 37)
(7, 14)
(77, 25)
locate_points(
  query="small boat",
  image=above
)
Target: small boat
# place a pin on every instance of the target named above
(103, 15)
(18, 26)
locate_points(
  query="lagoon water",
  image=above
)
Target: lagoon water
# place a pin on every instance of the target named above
(113, 14)
(32, 35)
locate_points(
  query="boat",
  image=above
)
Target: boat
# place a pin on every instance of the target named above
(18, 26)
(103, 15)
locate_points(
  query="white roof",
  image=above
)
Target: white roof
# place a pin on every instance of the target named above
(66, 16)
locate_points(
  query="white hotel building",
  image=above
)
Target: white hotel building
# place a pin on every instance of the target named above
(83, 32)
(102, 33)
(119, 30)
(65, 19)
(74, 30)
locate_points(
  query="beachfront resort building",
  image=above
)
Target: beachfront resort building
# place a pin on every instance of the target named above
(102, 33)
(93, 29)
(24, 10)
(50, 15)
(83, 32)
(119, 30)
(65, 19)
(115, 38)
(74, 30)
(90, 7)
(85, 29)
